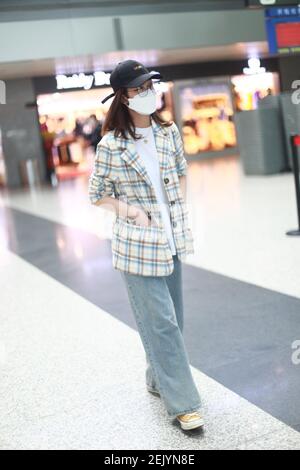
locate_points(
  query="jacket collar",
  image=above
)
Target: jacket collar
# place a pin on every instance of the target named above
(132, 158)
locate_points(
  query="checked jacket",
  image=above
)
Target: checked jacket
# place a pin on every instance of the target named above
(119, 172)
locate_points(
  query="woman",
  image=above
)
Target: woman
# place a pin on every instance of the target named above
(136, 174)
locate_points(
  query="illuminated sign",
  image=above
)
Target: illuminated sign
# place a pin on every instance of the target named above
(82, 80)
(254, 67)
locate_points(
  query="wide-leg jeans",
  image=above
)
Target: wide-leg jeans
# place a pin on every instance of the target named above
(157, 304)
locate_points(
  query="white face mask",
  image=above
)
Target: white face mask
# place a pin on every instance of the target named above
(143, 104)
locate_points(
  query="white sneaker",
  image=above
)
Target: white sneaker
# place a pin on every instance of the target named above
(190, 420)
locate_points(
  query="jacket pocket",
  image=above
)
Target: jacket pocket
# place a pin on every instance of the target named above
(129, 231)
(185, 240)
(137, 249)
(189, 240)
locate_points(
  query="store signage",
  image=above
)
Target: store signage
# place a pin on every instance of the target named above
(267, 2)
(296, 93)
(254, 67)
(82, 80)
(280, 12)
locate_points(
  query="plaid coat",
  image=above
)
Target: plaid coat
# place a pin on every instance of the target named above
(119, 172)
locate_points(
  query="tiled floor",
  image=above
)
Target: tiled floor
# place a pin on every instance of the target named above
(71, 361)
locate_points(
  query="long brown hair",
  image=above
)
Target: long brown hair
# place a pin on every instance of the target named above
(119, 120)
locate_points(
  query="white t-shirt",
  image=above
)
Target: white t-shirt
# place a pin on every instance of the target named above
(148, 153)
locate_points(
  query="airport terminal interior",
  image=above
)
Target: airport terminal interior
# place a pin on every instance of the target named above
(72, 359)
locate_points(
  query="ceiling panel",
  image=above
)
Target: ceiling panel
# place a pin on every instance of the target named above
(24, 10)
(150, 58)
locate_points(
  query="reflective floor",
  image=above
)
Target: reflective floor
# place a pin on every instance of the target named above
(71, 360)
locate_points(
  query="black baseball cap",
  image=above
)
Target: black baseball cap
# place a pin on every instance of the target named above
(129, 73)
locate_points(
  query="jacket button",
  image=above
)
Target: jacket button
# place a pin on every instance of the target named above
(166, 180)
(174, 224)
(172, 203)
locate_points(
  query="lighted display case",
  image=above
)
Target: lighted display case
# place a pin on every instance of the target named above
(253, 85)
(204, 111)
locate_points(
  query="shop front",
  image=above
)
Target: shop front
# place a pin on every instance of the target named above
(206, 108)
(71, 122)
(71, 113)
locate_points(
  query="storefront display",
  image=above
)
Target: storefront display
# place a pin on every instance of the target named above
(71, 122)
(249, 89)
(204, 109)
(206, 115)
(70, 125)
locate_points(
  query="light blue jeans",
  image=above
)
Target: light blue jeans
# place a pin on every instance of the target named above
(157, 304)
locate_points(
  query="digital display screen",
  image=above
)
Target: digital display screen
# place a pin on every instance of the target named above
(288, 34)
(283, 29)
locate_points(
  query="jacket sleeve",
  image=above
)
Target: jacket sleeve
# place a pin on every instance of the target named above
(181, 163)
(100, 182)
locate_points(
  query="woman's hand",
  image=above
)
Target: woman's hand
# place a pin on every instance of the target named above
(140, 217)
